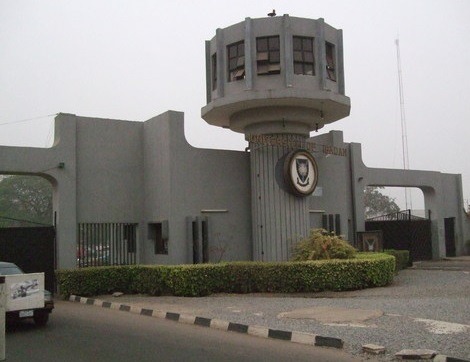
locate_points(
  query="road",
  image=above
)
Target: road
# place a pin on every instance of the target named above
(78, 332)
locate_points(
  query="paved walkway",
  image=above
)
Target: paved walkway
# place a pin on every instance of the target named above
(426, 307)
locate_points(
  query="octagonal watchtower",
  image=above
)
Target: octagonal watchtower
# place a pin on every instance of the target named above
(279, 78)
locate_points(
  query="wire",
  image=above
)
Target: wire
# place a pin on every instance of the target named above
(28, 119)
(49, 133)
(23, 220)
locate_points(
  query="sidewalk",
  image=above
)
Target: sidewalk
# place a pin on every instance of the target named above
(424, 308)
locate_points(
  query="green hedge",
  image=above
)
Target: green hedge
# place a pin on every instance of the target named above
(402, 258)
(365, 271)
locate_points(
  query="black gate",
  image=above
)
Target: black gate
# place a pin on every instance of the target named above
(403, 231)
(32, 249)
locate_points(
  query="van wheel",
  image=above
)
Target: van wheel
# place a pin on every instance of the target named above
(41, 318)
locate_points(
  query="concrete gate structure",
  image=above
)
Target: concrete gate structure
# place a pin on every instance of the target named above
(189, 205)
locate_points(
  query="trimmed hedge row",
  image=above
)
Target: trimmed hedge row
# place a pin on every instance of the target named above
(365, 271)
(402, 258)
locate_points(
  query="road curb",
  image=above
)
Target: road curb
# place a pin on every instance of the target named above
(442, 358)
(254, 330)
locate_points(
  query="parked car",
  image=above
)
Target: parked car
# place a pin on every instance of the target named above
(39, 315)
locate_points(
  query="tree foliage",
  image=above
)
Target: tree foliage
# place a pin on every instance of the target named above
(377, 203)
(25, 198)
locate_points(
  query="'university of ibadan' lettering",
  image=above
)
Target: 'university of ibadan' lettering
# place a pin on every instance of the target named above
(332, 150)
(274, 140)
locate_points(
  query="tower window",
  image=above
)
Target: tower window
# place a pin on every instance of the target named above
(330, 61)
(214, 70)
(236, 61)
(268, 55)
(304, 62)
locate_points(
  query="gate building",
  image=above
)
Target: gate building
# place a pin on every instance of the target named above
(137, 192)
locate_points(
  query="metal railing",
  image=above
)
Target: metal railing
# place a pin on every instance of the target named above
(404, 215)
(102, 244)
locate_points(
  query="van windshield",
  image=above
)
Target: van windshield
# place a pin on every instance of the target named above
(10, 270)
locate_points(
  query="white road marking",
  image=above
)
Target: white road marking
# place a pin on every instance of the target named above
(439, 327)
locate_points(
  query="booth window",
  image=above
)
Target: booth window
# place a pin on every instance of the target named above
(214, 70)
(236, 61)
(268, 55)
(330, 61)
(303, 55)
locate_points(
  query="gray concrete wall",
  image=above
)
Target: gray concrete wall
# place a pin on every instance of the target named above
(183, 181)
(333, 194)
(109, 171)
(120, 171)
(134, 172)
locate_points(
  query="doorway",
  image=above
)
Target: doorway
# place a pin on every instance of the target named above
(449, 230)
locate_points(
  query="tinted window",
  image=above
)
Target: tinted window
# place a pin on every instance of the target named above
(10, 270)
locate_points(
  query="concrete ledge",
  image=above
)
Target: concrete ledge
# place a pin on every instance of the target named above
(258, 331)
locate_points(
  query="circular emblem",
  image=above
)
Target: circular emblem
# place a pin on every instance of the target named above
(301, 172)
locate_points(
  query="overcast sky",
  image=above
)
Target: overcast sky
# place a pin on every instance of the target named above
(133, 60)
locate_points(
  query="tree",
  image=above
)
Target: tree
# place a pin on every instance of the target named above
(25, 198)
(377, 203)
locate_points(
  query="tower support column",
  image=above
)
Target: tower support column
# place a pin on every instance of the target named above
(279, 218)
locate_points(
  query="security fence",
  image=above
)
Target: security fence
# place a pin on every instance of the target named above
(101, 244)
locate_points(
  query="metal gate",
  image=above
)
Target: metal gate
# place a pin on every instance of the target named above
(403, 231)
(32, 249)
(101, 244)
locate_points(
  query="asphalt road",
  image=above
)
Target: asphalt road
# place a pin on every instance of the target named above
(425, 307)
(78, 332)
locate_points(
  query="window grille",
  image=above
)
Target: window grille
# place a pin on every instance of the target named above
(214, 71)
(330, 61)
(236, 61)
(101, 244)
(304, 61)
(268, 55)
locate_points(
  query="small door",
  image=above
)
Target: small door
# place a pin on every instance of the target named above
(449, 227)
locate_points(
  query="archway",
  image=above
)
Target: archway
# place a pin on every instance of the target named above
(27, 232)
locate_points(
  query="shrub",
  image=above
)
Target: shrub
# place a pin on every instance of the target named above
(321, 244)
(402, 258)
(364, 271)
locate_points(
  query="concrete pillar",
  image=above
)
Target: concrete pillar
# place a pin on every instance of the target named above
(279, 217)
